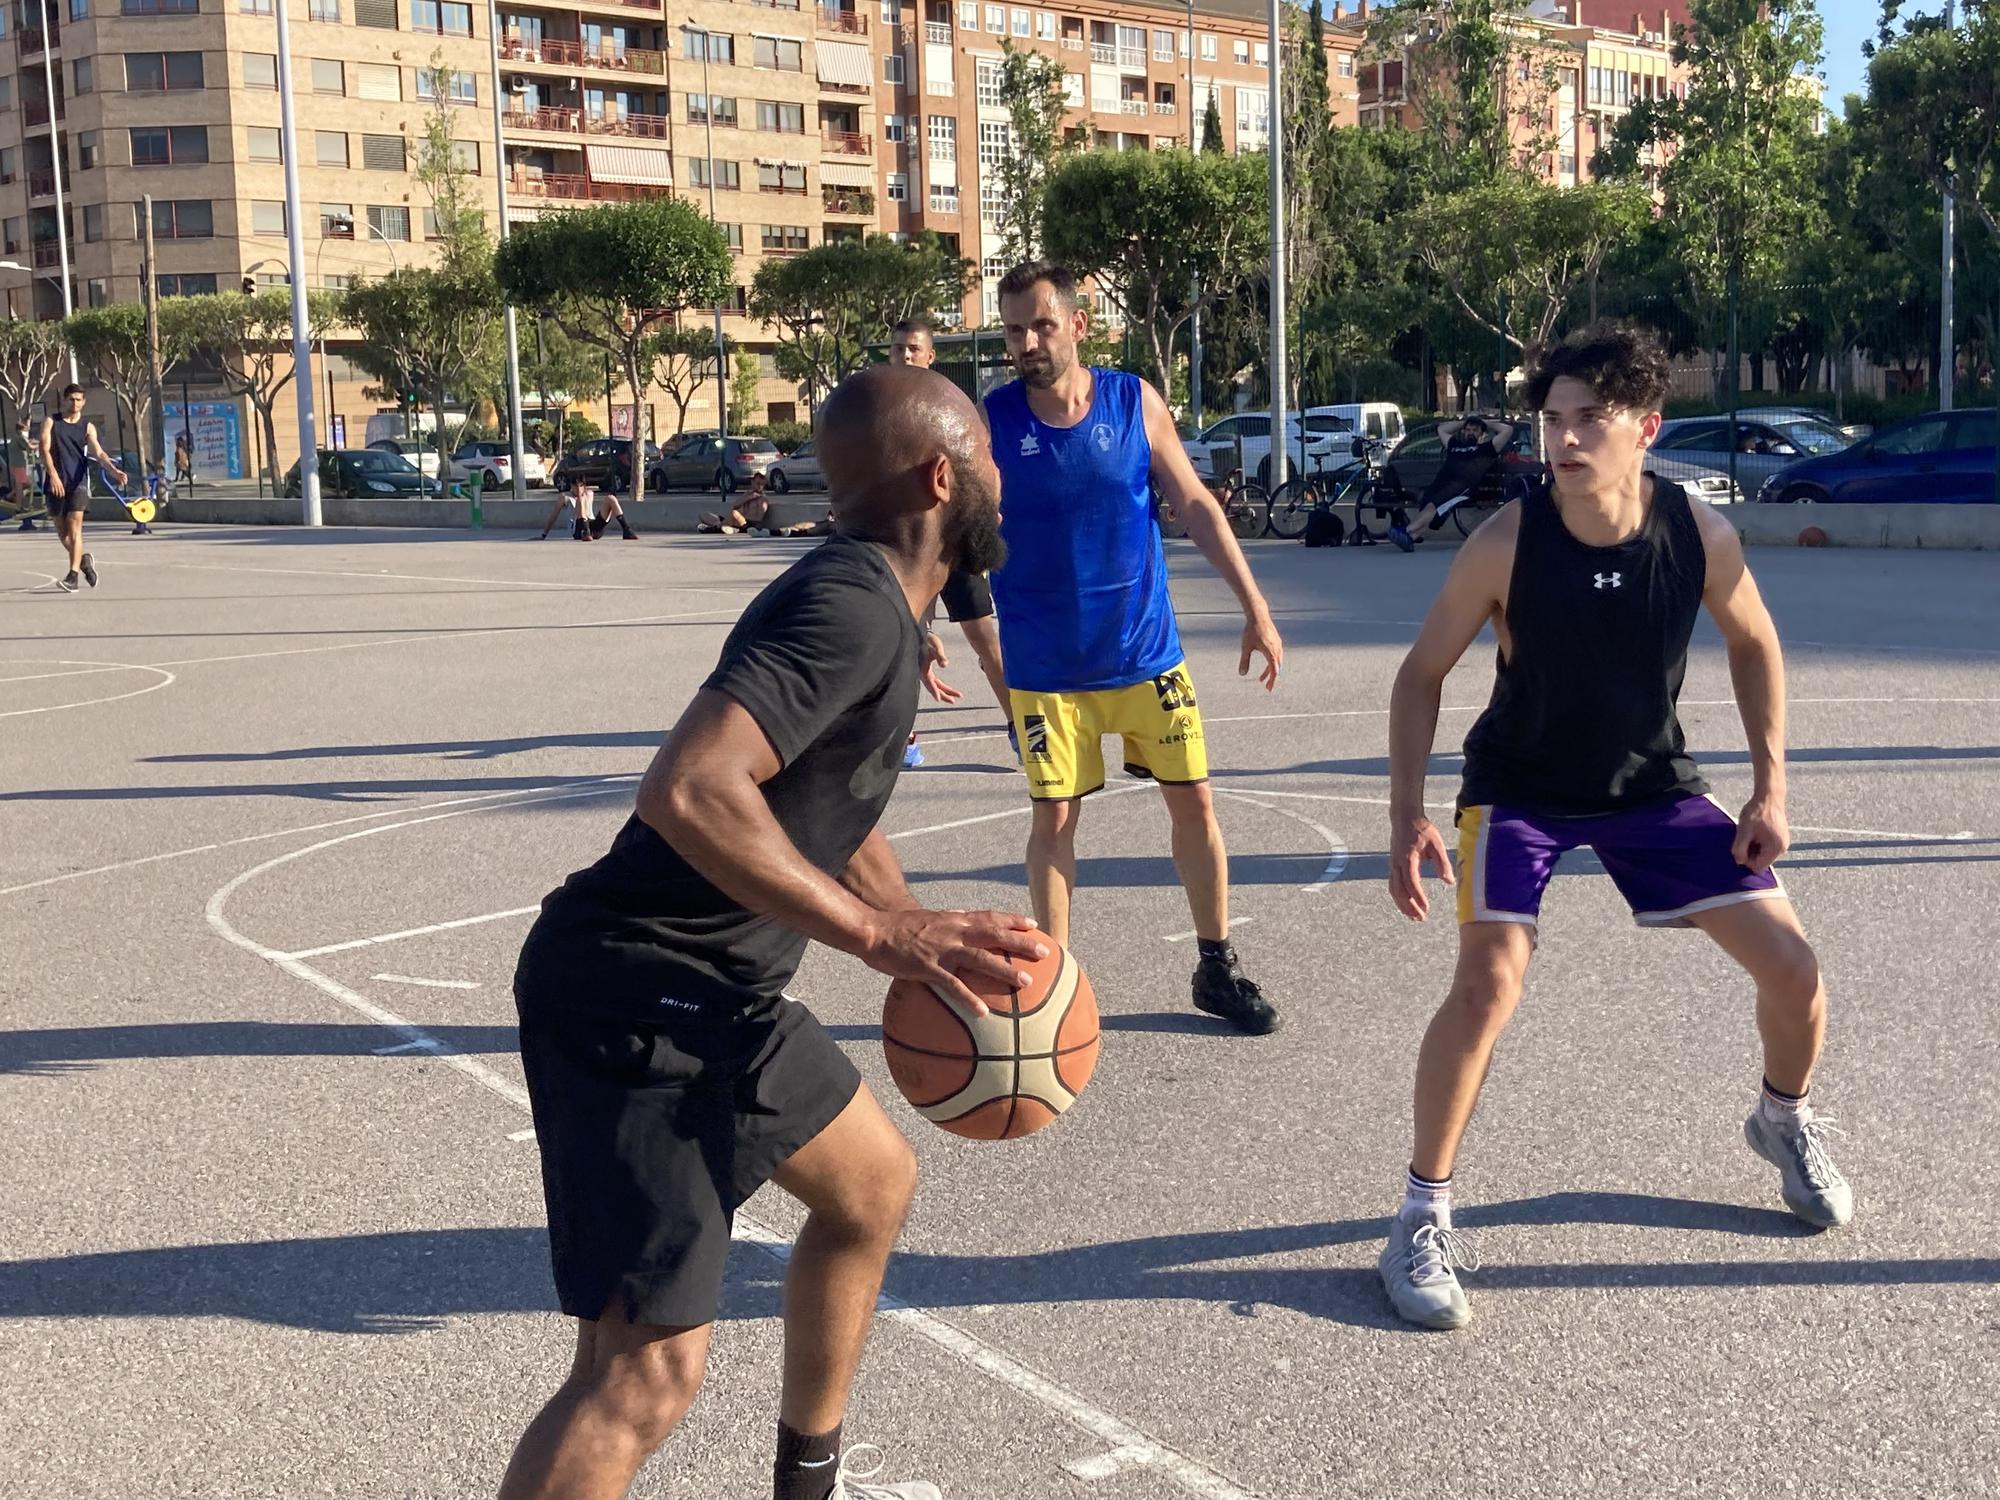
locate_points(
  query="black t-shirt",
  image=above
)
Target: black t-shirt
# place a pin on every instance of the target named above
(69, 448)
(827, 661)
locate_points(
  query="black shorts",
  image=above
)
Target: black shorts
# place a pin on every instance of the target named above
(653, 1134)
(966, 596)
(597, 524)
(75, 500)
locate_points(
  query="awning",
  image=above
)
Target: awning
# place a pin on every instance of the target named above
(847, 173)
(848, 64)
(630, 164)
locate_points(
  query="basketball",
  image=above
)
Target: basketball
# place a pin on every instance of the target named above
(1006, 1074)
(1812, 536)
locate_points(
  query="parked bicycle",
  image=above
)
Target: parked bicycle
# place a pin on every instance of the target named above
(1246, 506)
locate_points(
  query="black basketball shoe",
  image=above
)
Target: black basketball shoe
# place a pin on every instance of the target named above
(89, 571)
(1221, 990)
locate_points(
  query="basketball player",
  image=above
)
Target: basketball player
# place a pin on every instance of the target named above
(68, 444)
(1592, 584)
(669, 1075)
(967, 600)
(1092, 647)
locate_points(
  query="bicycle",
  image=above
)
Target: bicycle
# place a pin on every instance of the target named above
(1294, 501)
(1246, 506)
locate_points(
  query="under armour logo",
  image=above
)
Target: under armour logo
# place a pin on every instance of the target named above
(1610, 580)
(1029, 447)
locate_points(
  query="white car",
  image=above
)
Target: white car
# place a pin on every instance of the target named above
(491, 466)
(416, 450)
(1378, 421)
(1329, 443)
(798, 470)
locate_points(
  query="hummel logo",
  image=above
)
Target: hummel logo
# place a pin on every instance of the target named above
(1610, 580)
(1029, 447)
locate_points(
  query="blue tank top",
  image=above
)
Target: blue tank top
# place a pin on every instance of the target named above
(1082, 598)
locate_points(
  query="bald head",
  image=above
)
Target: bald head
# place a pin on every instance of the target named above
(882, 428)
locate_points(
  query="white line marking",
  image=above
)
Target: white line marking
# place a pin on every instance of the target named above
(1336, 846)
(410, 932)
(518, 583)
(167, 679)
(431, 984)
(522, 1135)
(79, 672)
(1184, 1473)
(423, 1045)
(1234, 923)
(1885, 833)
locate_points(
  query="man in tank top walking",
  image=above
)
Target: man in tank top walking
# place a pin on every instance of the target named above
(68, 444)
(1593, 584)
(1088, 638)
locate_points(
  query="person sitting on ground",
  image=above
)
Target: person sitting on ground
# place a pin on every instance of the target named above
(753, 514)
(570, 495)
(1471, 448)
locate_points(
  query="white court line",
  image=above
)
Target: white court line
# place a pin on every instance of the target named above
(410, 932)
(519, 583)
(167, 679)
(394, 1048)
(1964, 836)
(1336, 847)
(1129, 1445)
(1234, 923)
(430, 984)
(522, 1135)
(45, 676)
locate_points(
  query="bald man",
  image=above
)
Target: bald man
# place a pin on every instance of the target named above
(669, 1074)
(967, 600)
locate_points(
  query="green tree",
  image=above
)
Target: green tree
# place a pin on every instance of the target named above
(445, 173)
(110, 342)
(429, 330)
(560, 370)
(1032, 93)
(743, 391)
(1152, 225)
(247, 337)
(1211, 126)
(683, 362)
(32, 352)
(614, 274)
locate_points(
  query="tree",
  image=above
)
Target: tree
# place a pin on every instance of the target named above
(683, 362)
(110, 342)
(427, 330)
(560, 370)
(830, 303)
(248, 337)
(1151, 225)
(743, 391)
(613, 274)
(31, 355)
(444, 173)
(1033, 92)
(1211, 127)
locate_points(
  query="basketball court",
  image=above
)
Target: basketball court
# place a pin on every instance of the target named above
(275, 812)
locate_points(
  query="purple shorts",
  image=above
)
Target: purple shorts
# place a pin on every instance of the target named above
(1669, 861)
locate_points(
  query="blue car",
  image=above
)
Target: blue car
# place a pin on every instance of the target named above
(1942, 457)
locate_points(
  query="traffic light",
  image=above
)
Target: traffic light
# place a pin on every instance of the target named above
(249, 286)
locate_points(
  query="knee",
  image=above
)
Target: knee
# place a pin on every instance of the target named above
(1485, 996)
(1054, 824)
(875, 1199)
(1192, 809)
(1791, 972)
(647, 1392)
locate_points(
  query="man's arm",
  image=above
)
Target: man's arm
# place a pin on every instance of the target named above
(1501, 434)
(1757, 672)
(97, 452)
(1473, 591)
(1208, 529)
(704, 795)
(51, 480)
(875, 875)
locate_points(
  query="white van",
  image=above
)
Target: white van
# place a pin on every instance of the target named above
(1378, 421)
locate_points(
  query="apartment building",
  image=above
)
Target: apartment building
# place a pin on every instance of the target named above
(791, 121)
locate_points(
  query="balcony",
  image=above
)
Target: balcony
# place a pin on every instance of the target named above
(938, 33)
(1165, 107)
(846, 143)
(1103, 52)
(1132, 58)
(529, 182)
(944, 202)
(36, 112)
(47, 253)
(558, 52)
(29, 44)
(782, 189)
(851, 22)
(42, 184)
(857, 201)
(643, 127)
(1131, 106)
(566, 121)
(1072, 44)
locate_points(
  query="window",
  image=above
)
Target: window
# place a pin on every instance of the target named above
(896, 187)
(720, 46)
(378, 81)
(787, 119)
(781, 177)
(996, 19)
(256, 7)
(93, 222)
(893, 129)
(10, 163)
(182, 219)
(260, 70)
(330, 148)
(328, 76)
(1163, 46)
(266, 143)
(986, 83)
(728, 174)
(86, 74)
(1045, 26)
(383, 153)
(892, 12)
(144, 8)
(1345, 67)
(444, 17)
(1923, 436)
(169, 145)
(154, 72)
(892, 69)
(388, 221)
(1020, 20)
(79, 10)
(996, 145)
(188, 284)
(460, 87)
(944, 197)
(1207, 47)
(939, 82)
(6, 93)
(323, 10)
(1239, 50)
(10, 236)
(943, 135)
(267, 217)
(89, 149)
(782, 53)
(733, 233)
(465, 155)
(336, 221)
(968, 15)
(724, 109)
(784, 237)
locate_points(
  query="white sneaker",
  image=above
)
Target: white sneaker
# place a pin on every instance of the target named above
(1417, 1271)
(853, 1482)
(1812, 1185)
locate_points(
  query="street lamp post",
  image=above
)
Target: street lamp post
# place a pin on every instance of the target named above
(708, 119)
(1194, 318)
(56, 164)
(302, 382)
(1273, 119)
(513, 328)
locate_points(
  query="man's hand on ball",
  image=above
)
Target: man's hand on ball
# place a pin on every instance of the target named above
(937, 947)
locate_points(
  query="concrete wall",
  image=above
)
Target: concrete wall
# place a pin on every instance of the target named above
(1953, 527)
(676, 512)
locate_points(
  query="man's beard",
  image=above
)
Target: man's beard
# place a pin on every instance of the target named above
(1045, 373)
(972, 541)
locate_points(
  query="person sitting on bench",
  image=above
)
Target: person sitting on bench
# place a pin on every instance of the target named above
(1471, 449)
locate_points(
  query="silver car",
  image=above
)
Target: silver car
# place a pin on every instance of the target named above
(1765, 443)
(798, 470)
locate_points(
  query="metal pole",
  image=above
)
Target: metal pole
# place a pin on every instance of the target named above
(1194, 318)
(295, 245)
(56, 164)
(1735, 376)
(1280, 457)
(721, 354)
(155, 435)
(1947, 331)
(513, 329)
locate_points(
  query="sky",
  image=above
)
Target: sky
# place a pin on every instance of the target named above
(1849, 23)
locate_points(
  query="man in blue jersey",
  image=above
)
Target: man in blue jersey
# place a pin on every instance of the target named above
(1087, 632)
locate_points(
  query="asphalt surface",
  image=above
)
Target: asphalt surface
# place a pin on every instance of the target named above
(248, 1248)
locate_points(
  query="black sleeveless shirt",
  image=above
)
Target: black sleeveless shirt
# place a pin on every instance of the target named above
(1583, 716)
(69, 447)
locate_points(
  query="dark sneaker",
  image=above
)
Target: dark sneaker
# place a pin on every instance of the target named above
(67, 583)
(1402, 538)
(89, 571)
(579, 532)
(631, 535)
(1221, 990)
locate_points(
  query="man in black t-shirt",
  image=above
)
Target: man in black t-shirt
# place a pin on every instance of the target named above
(669, 1075)
(68, 445)
(1471, 448)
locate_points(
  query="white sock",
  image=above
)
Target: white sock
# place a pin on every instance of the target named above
(1784, 1109)
(1423, 1198)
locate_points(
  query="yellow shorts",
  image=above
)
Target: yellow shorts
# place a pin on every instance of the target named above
(1062, 735)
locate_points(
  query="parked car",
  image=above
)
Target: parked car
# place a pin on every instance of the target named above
(364, 474)
(1327, 440)
(798, 470)
(1764, 445)
(1379, 421)
(603, 463)
(491, 466)
(1941, 457)
(1855, 431)
(704, 461)
(416, 450)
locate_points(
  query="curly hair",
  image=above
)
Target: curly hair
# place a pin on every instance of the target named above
(1625, 365)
